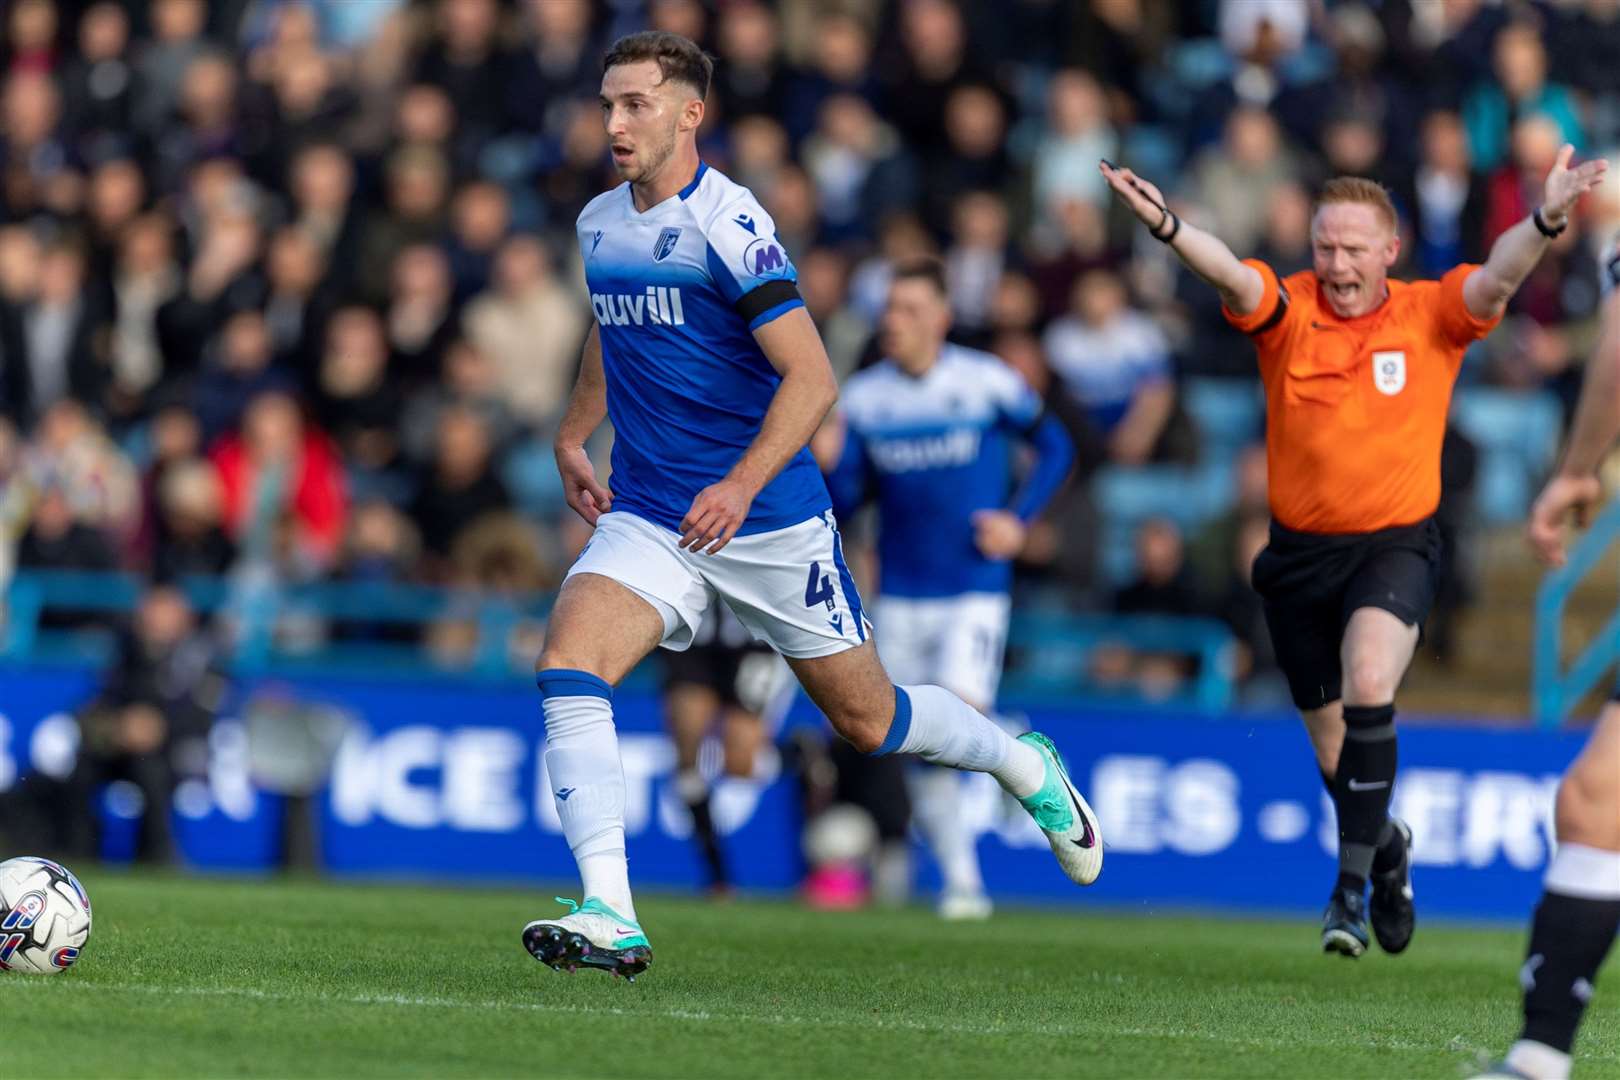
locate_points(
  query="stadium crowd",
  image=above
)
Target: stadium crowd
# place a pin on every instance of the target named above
(289, 291)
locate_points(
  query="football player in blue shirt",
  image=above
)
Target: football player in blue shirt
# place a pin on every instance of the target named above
(929, 432)
(714, 378)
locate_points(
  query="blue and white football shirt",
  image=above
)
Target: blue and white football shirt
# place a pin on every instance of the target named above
(677, 292)
(933, 450)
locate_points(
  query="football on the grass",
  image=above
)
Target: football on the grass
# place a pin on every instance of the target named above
(44, 916)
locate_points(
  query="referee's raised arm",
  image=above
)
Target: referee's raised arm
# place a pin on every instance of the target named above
(1240, 286)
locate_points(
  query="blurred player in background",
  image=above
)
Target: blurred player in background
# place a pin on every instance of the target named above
(715, 379)
(1579, 914)
(725, 678)
(1358, 372)
(929, 433)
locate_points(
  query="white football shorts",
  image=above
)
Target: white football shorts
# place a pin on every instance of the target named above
(789, 587)
(952, 641)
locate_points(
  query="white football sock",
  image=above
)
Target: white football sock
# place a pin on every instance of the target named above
(1587, 873)
(941, 728)
(587, 781)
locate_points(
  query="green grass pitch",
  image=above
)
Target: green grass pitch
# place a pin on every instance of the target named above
(190, 977)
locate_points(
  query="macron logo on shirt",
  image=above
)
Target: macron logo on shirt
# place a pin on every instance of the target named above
(658, 306)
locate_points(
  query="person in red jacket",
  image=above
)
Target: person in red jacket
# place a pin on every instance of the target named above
(278, 467)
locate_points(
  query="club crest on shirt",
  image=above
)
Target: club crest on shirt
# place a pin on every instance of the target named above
(1389, 371)
(666, 243)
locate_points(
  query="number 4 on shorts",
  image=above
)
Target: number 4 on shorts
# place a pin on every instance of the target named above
(819, 590)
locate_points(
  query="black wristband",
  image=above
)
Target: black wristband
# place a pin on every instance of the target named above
(1614, 268)
(1545, 229)
(1175, 227)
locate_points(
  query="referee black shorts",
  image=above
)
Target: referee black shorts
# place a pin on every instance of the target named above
(1312, 582)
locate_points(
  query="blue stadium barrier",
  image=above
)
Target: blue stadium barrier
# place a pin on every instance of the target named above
(444, 779)
(1055, 647)
(1517, 434)
(1554, 691)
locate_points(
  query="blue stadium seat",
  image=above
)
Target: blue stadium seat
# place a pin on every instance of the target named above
(1230, 414)
(1517, 433)
(1127, 497)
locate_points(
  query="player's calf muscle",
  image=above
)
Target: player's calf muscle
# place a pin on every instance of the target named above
(854, 692)
(1588, 807)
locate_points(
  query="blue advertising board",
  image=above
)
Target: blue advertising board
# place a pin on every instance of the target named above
(444, 780)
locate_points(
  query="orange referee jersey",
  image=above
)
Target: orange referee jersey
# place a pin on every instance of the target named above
(1356, 408)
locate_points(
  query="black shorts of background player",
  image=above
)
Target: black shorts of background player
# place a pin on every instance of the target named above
(725, 679)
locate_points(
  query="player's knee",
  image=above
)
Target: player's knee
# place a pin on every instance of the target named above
(1368, 682)
(862, 727)
(1587, 810)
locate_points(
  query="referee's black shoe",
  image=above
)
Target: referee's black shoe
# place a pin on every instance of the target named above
(1344, 923)
(1391, 912)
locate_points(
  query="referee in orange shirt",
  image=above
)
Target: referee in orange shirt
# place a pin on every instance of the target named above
(1358, 371)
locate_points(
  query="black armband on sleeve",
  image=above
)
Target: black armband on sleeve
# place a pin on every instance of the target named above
(1277, 312)
(753, 304)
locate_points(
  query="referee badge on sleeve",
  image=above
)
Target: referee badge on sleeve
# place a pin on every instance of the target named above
(1389, 371)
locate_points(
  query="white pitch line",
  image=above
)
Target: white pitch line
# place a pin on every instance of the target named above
(778, 1019)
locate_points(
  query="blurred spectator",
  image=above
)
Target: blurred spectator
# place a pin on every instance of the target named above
(1163, 586)
(206, 125)
(56, 540)
(161, 63)
(861, 171)
(1077, 244)
(1116, 363)
(481, 216)
(98, 86)
(975, 261)
(749, 79)
(31, 36)
(71, 451)
(1584, 41)
(840, 64)
(462, 483)
(417, 190)
(901, 238)
(149, 723)
(238, 369)
(147, 277)
(321, 183)
(824, 284)
(380, 548)
(299, 299)
(421, 317)
(190, 535)
(934, 66)
(470, 381)
(15, 496)
(284, 491)
(1077, 135)
(466, 59)
(1235, 180)
(560, 64)
(60, 328)
(36, 173)
(531, 327)
(1209, 551)
(791, 202)
(1285, 245)
(973, 154)
(1244, 613)
(359, 401)
(222, 279)
(1447, 203)
(1520, 89)
(116, 196)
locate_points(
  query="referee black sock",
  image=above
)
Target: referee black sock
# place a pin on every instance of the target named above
(1362, 785)
(1568, 941)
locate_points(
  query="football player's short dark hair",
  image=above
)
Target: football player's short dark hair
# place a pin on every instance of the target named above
(924, 268)
(678, 58)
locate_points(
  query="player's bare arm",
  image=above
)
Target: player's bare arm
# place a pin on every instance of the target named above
(1205, 254)
(1575, 489)
(1516, 252)
(587, 407)
(807, 391)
